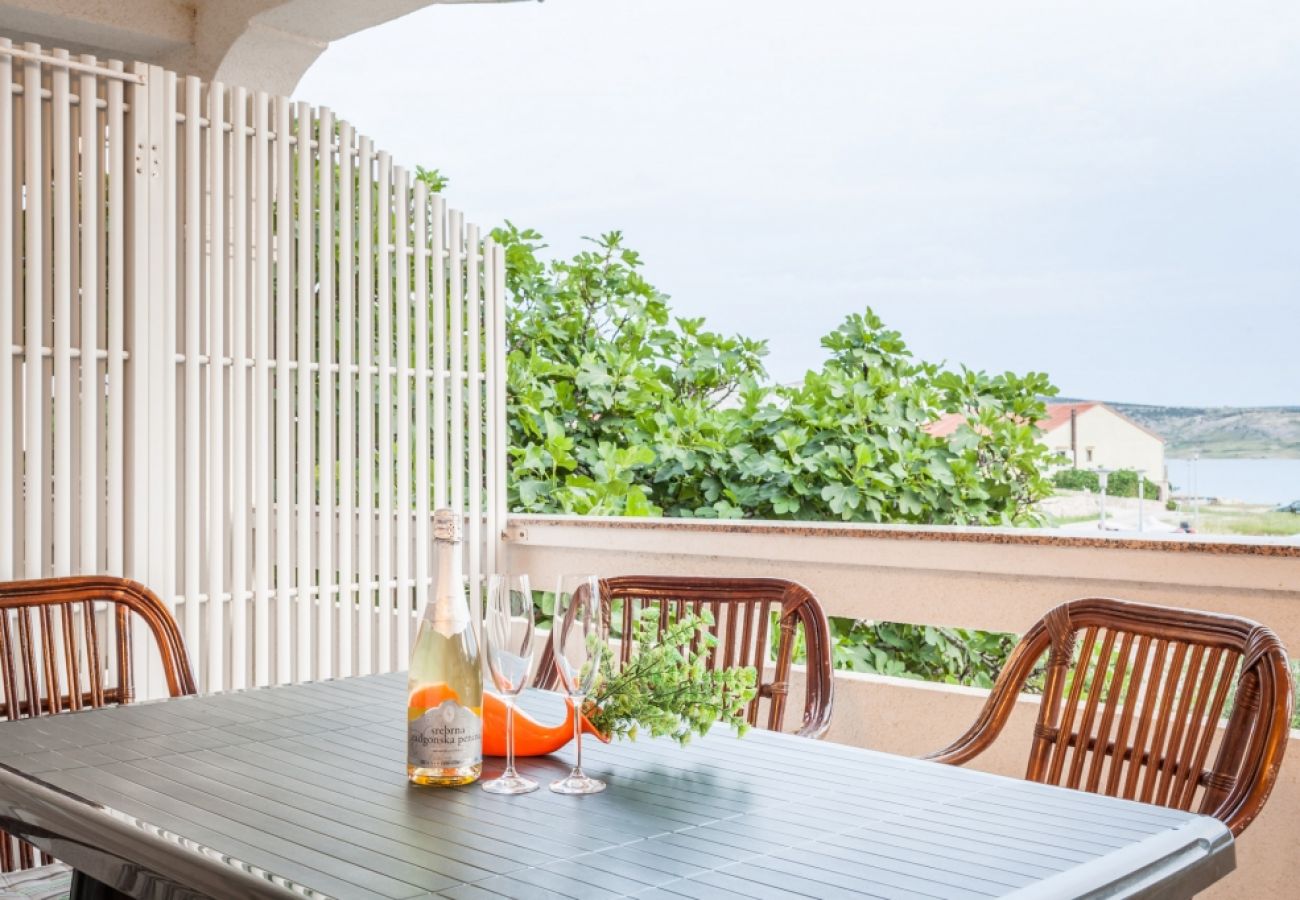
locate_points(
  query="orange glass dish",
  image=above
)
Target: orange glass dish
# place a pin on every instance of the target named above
(532, 738)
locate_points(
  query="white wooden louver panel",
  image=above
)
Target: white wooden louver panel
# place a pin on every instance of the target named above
(242, 357)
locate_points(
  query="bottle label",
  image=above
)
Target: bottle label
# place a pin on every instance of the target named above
(447, 736)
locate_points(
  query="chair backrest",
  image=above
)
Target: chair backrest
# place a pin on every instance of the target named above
(742, 610)
(1132, 699)
(65, 645)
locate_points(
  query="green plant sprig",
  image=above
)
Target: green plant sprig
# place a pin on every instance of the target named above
(667, 687)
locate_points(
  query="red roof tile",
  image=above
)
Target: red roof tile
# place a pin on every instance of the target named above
(1058, 414)
(945, 425)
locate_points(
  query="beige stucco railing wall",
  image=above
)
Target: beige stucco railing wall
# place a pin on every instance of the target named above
(991, 579)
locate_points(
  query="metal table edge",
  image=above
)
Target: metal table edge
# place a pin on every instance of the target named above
(104, 844)
(1178, 863)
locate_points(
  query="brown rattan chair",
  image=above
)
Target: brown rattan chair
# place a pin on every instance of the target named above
(1132, 697)
(741, 610)
(65, 645)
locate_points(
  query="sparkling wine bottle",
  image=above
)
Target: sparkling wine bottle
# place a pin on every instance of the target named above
(444, 711)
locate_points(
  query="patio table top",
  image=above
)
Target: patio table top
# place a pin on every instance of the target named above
(301, 790)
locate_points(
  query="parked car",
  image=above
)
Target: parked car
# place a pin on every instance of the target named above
(1292, 507)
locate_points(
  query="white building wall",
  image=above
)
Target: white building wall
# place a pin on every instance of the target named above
(1108, 440)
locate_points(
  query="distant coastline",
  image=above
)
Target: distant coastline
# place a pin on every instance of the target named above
(1245, 453)
(1221, 432)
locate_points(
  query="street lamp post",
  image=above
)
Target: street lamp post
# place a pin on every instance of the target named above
(1196, 495)
(1141, 491)
(1103, 475)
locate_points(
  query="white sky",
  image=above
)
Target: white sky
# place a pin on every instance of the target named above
(1106, 191)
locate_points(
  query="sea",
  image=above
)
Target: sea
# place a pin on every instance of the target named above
(1272, 481)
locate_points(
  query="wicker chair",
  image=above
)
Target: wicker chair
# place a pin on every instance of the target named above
(1147, 731)
(65, 645)
(741, 610)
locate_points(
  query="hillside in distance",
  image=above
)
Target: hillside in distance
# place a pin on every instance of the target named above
(1221, 432)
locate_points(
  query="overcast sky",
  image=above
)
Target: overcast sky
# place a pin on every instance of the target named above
(1108, 192)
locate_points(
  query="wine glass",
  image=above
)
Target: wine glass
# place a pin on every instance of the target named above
(579, 635)
(509, 628)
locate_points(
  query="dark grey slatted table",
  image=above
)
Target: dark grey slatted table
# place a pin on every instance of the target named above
(301, 791)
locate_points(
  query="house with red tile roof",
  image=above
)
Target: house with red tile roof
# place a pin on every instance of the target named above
(1090, 435)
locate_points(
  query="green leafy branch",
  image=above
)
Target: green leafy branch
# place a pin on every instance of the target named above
(667, 687)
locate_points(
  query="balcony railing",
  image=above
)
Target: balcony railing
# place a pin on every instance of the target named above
(991, 579)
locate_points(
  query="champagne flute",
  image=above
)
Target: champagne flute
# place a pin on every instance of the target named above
(509, 629)
(580, 636)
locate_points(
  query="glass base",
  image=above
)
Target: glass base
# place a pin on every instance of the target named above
(578, 783)
(510, 784)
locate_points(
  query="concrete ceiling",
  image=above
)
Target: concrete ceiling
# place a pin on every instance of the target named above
(260, 44)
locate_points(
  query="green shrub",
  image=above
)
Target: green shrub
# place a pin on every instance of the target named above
(1120, 484)
(1124, 483)
(923, 652)
(1076, 480)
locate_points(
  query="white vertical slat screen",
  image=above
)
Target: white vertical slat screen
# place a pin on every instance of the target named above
(170, 375)
(422, 450)
(115, 471)
(33, 363)
(8, 316)
(284, 416)
(402, 407)
(384, 430)
(260, 325)
(61, 186)
(325, 347)
(191, 415)
(474, 389)
(243, 355)
(92, 287)
(366, 596)
(214, 537)
(240, 250)
(347, 405)
(305, 394)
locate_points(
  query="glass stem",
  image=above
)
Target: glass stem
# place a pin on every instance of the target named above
(577, 732)
(510, 737)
